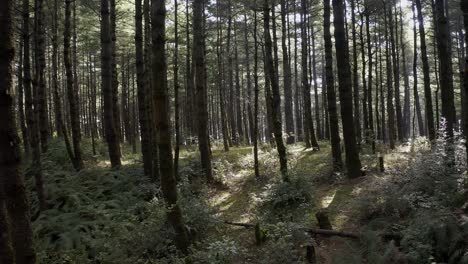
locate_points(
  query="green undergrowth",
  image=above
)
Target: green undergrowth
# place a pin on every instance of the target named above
(100, 215)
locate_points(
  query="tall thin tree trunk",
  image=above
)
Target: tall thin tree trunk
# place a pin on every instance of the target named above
(370, 79)
(176, 92)
(161, 118)
(309, 131)
(427, 81)
(356, 100)
(106, 83)
(199, 73)
(396, 74)
(32, 122)
(39, 80)
(275, 98)
(390, 107)
(297, 86)
(255, 134)
(71, 93)
(288, 107)
(417, 103)
(331, 95)
(353, 163)
(115, 80)
(464, 8)
(12, 189)
(446, 68)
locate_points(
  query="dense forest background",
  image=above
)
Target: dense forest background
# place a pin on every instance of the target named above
(233, 131)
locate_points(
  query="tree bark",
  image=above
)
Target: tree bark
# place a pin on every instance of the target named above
(71, 92)
(331, 95)
(275, 98)
(288, 107)
(256, 92)
(309, 130)
(162, 122)
(417, 103)
(14, 206)
(396, 75)
(107, 90)
(464, 8)
(39, 82)
(356, 106)
(446, 69)
(427, 81)
(115, 80)
(199, 73)
(390, 106)
(353, 163)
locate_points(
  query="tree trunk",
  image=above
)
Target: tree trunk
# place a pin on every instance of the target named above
(107, 90)
(71, 93)
(297, 86)
(331, 95)
(464, 8)
(162, 122)
(29, 92)
(22, 118)
(446, 70)
(407, 103)
(176, 92)
(309, 131)
(14, 206)
(199, 73)
(427, 81)
(417, 103)
(275, 98)
(237, 102)
(255, 134)
(370, 79)
(390, 107)
(396, 75)
(39, 81)
(356, 106)
(353, 164)
(115, 80)
(288, 107)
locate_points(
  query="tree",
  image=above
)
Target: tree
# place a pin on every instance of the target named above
(427, 80)
(353, 163)
(176, 91)
(31, 118)
(106, 83)
(162, 122)
(446, 71)
(39, 82)
(199, 74)
(390, 105)
(464, 8)
(275, 98)
(356, 101)
(309, 132)
(288, 107)
(330, 83)
(417, 104)
(141, 92)
(255, 134)
(14, 206)
(71, 92)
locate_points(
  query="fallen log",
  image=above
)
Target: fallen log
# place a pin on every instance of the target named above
(327, 232)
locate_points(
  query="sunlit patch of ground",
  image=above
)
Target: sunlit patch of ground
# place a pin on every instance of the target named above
(238, 202)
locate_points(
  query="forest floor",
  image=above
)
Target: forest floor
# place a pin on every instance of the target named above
(241, 195)
(99, 215)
